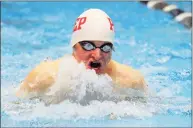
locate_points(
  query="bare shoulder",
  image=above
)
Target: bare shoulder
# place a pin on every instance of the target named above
(127, 76)
(39, 78)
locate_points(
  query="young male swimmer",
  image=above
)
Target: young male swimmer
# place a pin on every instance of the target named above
(92, 42)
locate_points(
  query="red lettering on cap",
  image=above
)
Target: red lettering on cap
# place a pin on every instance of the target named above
(111, 24)
(80, 21)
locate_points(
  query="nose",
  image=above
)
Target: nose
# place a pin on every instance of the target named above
(97, 54)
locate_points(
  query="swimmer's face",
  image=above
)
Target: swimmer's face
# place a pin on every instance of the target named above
(95, 54)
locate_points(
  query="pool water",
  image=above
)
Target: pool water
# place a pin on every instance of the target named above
(148, 40)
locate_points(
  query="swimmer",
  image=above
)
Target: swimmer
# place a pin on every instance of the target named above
(92, 43)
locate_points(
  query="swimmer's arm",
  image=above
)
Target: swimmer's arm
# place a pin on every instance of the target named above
(129, 77)
(38, 80)
(133, 79)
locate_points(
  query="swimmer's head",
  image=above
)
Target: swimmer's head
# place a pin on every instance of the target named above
(92, 39)
(93, 24)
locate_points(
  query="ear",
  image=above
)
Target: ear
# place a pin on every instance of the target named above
(74, 47)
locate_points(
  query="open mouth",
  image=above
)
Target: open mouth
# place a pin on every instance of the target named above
(95, 64)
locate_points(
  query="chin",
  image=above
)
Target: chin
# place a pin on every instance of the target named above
(99, 71)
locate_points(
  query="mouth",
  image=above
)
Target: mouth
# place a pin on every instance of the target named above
(95, 65)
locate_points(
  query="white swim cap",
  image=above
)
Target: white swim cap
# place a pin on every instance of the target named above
(93, 24)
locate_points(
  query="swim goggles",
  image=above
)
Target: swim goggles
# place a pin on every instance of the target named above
(89, 45)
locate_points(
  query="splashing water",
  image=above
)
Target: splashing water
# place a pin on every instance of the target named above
(79, 93)
(79, 97)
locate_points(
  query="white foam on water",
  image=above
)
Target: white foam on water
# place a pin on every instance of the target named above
(74, 81)
(149, 69)
(81, 94)
(163, 59)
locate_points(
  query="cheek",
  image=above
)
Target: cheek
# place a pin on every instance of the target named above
(107, 57)
(82, 56)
